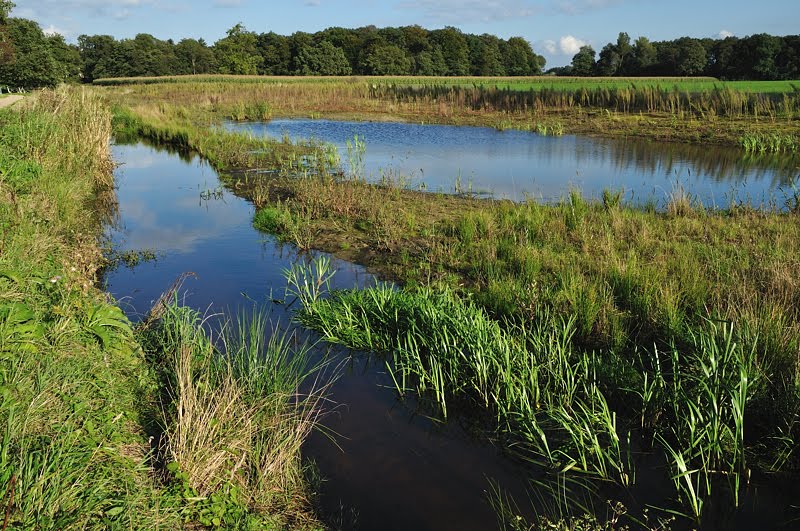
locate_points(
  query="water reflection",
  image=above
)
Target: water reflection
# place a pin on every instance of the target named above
(517, 164)
(393, 468)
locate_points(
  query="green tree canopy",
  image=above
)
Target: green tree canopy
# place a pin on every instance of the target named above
(237, 53)
(193, 56)
(583, 62)
(34, 64)
(388, 60)
(323, 59)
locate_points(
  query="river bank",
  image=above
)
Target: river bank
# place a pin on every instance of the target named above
(617, 290)
(106, 423)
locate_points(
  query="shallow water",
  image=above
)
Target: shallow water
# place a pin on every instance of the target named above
(390, 468)
(516, 164)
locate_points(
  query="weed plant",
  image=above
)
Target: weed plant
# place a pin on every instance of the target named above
(698, 111)
(96, 434)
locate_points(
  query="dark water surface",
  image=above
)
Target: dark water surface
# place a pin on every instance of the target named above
(396, 469)
(517, 164)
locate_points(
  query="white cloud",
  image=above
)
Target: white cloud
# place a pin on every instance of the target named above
(569, 45)
(52, 30)
(227, 3)
(550, 47)
(724, 34)
(464, 11)
(577, 7)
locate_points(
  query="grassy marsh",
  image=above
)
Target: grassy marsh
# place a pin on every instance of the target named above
(695, 111)
(97, 430)
(590, 331)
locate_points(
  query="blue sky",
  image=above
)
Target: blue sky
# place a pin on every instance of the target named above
(555, 28)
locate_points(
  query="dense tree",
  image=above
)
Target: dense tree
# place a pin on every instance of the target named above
(643, 57)
(520, 59)
(583, 62)
(756, 55)
(193, 56)
(323, 59)
(6, 47)
(67, 58)
(788, 59)
(430, 63)
(454, 49)
(237, 53)
(388, 60)
(34, 64)
(148, 56)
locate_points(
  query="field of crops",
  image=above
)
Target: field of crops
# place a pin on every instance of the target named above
(684, 84)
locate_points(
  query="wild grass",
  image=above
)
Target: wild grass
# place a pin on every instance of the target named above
(234, 418)
(695, 111)
(83, 411)
(74, 385)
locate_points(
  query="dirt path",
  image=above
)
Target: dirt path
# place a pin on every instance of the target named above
(9, 100)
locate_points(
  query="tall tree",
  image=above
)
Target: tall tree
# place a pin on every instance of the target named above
(642, 57)
(67, 58)
(323, 59)
(193, 56)
(430, 63)
(388, 60)
(583, 63)
(520, 60)
(609, 61)
(96, 52)
(237, 53)
(34, 64)
(454, 50)
(6, 47)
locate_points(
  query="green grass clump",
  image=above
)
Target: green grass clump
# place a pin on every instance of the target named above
(571, 411)
(96, 432)
(233, 420)
(273, 220)
(74, 386)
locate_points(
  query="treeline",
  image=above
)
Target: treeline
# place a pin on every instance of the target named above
(757, 57)
(31, 58)
(409, 50)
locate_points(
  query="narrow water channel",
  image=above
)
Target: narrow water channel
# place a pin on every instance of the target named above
(390, 467)
(518, 164)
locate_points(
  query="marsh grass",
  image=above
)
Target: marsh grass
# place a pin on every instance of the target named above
(234, 417)
(80, 402)
(669, 109)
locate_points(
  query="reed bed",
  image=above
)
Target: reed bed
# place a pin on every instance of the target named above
(98, 433)
(668, 110)
(582, 329)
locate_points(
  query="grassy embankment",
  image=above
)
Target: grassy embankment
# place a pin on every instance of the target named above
(759, 116)
(96, 430)
(590, 332)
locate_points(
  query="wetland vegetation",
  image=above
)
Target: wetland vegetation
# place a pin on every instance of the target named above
(591, 337)
(644, 354)
(115, 425)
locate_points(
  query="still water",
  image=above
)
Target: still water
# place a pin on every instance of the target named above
(518, 164)
(390, 467)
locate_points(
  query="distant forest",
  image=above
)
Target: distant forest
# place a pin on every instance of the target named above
(29, 58)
